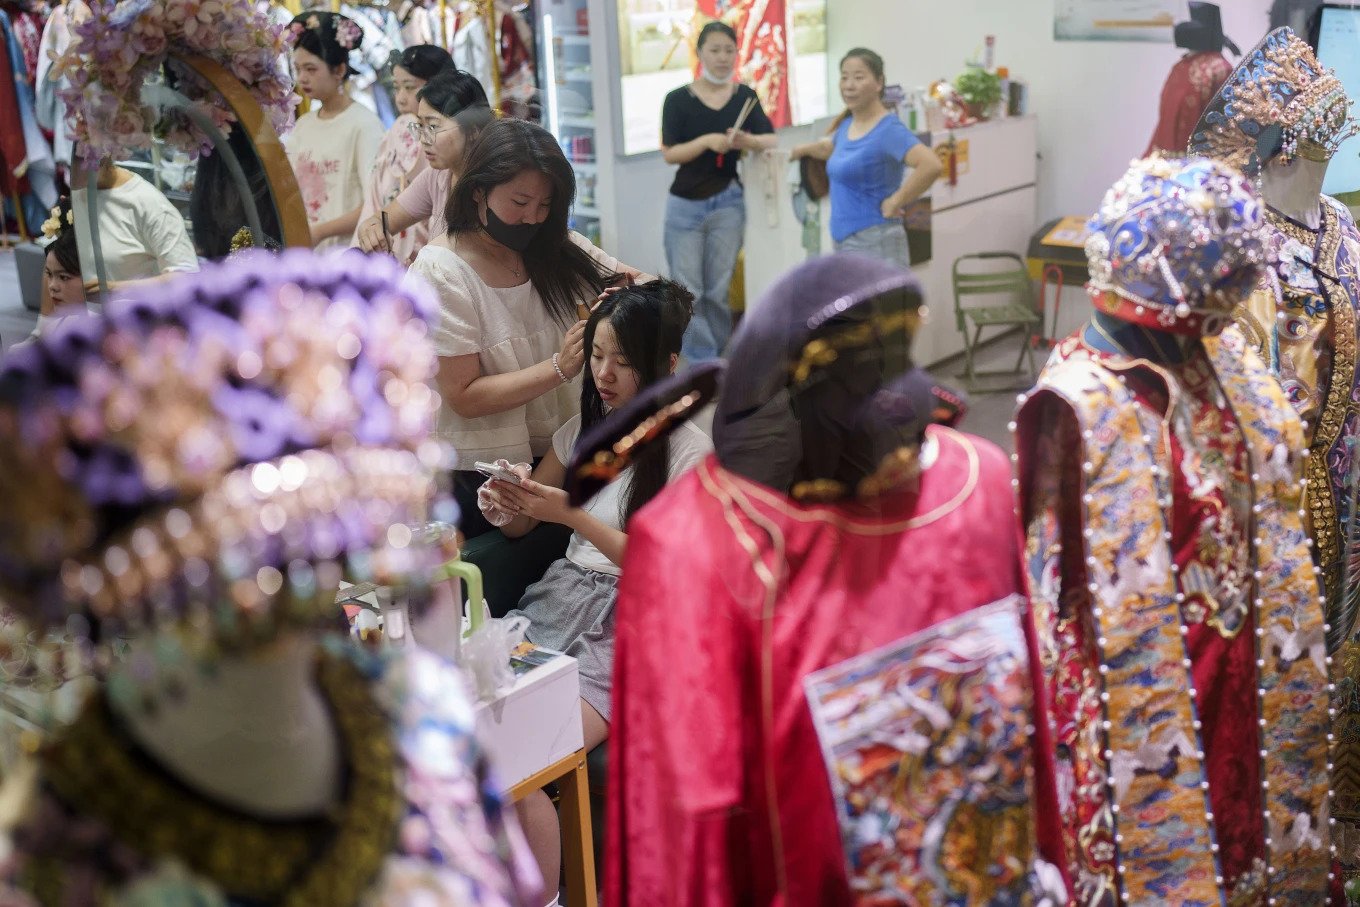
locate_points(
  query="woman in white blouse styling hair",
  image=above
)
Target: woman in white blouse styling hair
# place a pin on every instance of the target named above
(332, 148)
(514, 284)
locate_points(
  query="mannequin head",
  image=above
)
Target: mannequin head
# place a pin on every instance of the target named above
(1204, 30)
(1176, 245)
(796, 413)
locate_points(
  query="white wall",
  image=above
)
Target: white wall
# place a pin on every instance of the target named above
(1096, 102)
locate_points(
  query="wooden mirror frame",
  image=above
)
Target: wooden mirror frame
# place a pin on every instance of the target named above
(283, 187)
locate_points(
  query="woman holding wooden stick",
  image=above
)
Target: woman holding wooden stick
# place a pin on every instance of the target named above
(705, 126)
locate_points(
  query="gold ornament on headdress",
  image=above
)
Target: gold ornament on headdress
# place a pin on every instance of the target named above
(52, 226)
(241, 239)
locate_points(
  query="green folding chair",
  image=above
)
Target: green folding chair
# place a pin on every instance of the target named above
(979, 275)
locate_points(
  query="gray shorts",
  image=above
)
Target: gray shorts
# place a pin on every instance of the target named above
(886, 241)
(572, 610)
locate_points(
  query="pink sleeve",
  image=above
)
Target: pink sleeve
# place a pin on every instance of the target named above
(417, 199)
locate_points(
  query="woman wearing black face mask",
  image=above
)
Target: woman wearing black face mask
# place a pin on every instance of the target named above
(513, 284)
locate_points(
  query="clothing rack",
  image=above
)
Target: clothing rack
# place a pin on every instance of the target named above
(486, 11)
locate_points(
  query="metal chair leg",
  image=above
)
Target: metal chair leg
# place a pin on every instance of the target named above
(972, 353)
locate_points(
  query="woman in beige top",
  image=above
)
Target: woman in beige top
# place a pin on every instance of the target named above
(514, 284)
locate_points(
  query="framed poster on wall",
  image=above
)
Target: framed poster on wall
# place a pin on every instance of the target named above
(781, 53)
(1118, 20)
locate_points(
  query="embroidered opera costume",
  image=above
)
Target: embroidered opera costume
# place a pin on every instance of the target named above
(1178, 611)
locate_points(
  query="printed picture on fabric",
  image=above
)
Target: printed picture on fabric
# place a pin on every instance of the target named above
(312, 177)
(926, 744)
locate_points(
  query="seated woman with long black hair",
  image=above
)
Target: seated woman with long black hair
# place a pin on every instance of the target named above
(634, 338)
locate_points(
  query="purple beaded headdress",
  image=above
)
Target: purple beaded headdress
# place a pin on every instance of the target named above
(222, 447)
(1278, 98)
(1176, 245)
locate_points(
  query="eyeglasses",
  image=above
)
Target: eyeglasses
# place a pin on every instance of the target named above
(423, 131)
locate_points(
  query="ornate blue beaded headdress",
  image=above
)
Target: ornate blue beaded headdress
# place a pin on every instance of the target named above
(1277, 98)
(1178, 243)
(220, 447)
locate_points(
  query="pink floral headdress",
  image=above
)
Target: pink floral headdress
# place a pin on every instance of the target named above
(344, 31)
(119, 44)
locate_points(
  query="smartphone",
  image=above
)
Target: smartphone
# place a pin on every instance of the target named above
(497, 472)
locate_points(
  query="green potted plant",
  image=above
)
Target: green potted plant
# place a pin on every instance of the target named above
(980, 91)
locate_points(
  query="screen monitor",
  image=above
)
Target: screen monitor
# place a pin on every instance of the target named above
(1338, 47)
(781, 53)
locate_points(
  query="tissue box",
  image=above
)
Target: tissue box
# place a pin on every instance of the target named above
(535, 723)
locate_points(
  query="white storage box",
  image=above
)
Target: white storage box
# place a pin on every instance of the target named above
(536, 723)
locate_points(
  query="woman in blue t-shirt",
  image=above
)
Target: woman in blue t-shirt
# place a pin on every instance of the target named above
(868, 152)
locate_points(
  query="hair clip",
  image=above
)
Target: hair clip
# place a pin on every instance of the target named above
(616, 443)
(820, 352)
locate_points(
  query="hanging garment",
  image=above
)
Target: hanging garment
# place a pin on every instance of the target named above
(417, 27)
(1179, 625)
(28, 28)
(37, 165)
(718, 789)
(472, 51)
(1189, 88)
(13, 153)
(1304, 323)
(519, 80)
(48, 106)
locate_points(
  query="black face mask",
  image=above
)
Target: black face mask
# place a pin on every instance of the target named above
(512, 236)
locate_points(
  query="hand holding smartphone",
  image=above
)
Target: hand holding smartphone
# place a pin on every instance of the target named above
(493, 471)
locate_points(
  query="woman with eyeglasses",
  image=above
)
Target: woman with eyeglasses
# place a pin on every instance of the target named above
(451, 111)
(399, 157)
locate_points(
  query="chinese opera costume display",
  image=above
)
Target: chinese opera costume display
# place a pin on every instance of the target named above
(188, 475)
(1177, 607)
(1280, 118)
(840, 712)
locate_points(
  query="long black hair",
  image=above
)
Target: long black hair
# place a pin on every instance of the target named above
(649, 322)
(559, 269)
(216, 207)
(322, 41)
(63, 246)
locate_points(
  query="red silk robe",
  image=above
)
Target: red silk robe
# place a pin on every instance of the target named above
(1189, 88)
(718, 793)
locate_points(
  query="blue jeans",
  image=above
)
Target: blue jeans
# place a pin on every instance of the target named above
(703, 238)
